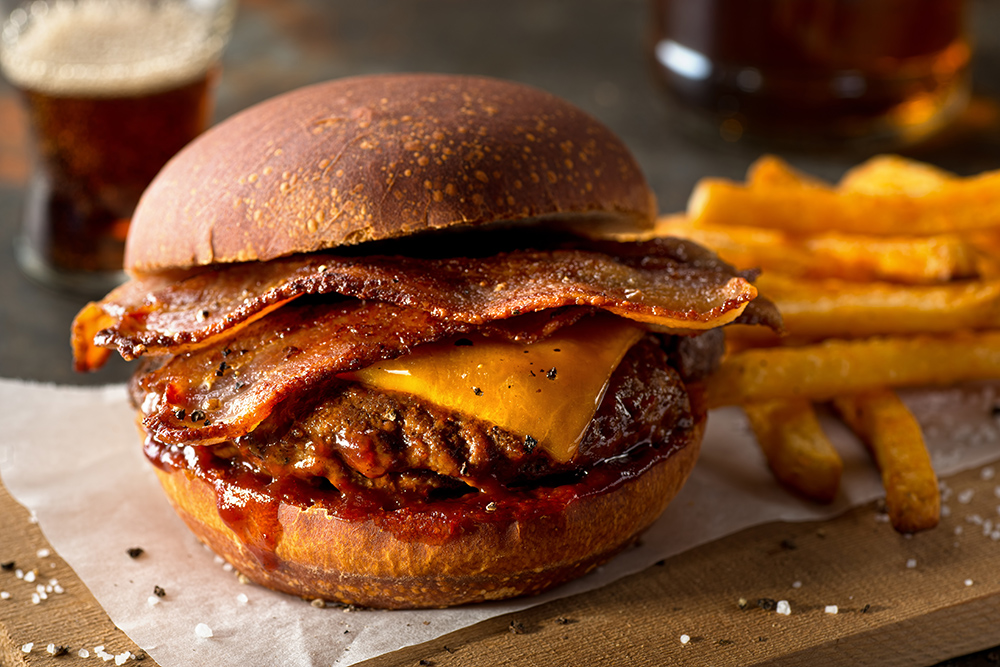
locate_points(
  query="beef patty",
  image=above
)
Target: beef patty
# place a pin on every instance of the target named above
(396, 447)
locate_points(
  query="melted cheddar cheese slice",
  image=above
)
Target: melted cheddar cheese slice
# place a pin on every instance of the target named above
(547, 391)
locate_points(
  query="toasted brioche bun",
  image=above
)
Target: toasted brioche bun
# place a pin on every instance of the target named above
(358, 562)
(378, 157)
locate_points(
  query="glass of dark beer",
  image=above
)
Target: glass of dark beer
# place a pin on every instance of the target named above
(864, 75)
(113, 89)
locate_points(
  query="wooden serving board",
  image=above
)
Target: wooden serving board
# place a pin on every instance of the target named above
(900, 600)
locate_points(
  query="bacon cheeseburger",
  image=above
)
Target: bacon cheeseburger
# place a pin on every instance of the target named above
(379, 365)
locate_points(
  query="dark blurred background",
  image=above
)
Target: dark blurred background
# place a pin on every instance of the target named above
(594, 53)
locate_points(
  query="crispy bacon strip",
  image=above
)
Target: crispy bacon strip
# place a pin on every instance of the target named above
(654, 282)
(223, 390)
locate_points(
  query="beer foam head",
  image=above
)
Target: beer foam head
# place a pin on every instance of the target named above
(111, 47)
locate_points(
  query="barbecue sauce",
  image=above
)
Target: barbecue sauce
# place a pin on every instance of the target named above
(249, 502)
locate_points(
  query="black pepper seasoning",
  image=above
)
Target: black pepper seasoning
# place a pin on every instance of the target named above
(477, 391)
(551, 374)
(159, 592)
(529, 444)
(197, 416)
(8, 566)
(135, 552)
(179, 413)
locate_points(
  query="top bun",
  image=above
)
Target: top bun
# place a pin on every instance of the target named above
(378, 157)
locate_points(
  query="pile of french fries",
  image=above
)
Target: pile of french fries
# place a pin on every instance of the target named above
(889, 278)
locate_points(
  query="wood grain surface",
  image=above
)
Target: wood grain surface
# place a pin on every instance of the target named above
(72, 619)
(900, 600)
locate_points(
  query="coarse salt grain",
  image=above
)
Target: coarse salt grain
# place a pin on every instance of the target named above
(51, 649)
(4, 595)
(152, 600)
(242, 598)
(58, 589)
(783, 608)
(83, 653)
(965, 497)
(830, 609)
(881, 517)
(968, 582)
(19, 573)
(29, 576)
(945, 511)
(43, 553)
(987, 473)
(35, 598)
(796, 584)
(958, 530)
(27, 647)
(203, 631)
(911, 563)
(685, 639)
(122, 657)
(996, 491)
(228, 567)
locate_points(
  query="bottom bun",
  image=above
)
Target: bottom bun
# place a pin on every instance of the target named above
(360, 562)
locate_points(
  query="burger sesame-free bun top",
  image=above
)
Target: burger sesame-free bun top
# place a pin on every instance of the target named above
(378, 157)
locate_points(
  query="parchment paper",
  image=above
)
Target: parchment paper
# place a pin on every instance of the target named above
(73, 457)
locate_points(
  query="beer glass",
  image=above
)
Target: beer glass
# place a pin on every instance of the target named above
(858, 74)
(113, 89)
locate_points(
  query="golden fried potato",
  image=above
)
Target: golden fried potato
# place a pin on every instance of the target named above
(960, 205)
(903, 259)
(893, 437)
(892, 174)
(834, 308)
(796, 448)
(843, 367)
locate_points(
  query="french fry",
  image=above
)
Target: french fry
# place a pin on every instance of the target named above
(796, 448)
(770, 171)
(892, 174)
(911, 260)
(834, 308)
(960, 205)
(841, 367)
(893, 437)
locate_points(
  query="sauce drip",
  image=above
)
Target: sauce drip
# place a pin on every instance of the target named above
(249, 502)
